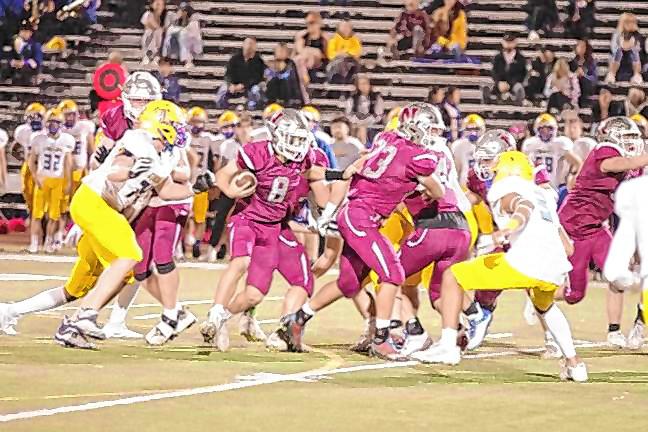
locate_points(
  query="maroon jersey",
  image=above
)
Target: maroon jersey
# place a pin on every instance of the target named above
(318, 159)
(591, 201)
(114, 123)
(389, 174)
(407, 21)
(481, 187)
(277, 182)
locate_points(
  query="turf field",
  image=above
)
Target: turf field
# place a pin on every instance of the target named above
(127, 386)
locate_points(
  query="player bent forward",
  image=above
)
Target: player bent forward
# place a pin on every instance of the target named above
(533, 235)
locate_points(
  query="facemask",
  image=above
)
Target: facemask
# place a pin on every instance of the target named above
(473, 136)
(36, 125)
(196, 129)
(53, 127)
(228, 134)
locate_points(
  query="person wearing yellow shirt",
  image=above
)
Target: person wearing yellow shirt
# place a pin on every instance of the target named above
(451, 27)
(343, 51)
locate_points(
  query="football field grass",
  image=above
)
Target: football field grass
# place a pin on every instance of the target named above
(127, 386)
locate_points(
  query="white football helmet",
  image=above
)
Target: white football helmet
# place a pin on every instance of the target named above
(422, 124)
(291, 137)
(623, 133)
(139, 89)
(488, 147)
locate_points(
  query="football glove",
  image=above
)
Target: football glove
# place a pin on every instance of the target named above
(140, 166)
(101, 154)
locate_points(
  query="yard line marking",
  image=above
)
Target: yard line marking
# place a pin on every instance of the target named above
(248, 381)
(10, 277)
(499, 335)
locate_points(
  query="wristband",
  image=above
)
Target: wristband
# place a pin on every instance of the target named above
(332, 175)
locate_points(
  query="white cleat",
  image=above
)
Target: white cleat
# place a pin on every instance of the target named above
(32, 249)
(185, 320)
(214, 332)
(415, 343)
(275, 343)
(552, 350)
(576, 373)
(616, 339)
(212, 255)
(162, 333)
(250, 329)
(119, 330)
(8, 320)
(478, 329)
(86, 323)
(437, 353)
(635, 339)
(530, 315)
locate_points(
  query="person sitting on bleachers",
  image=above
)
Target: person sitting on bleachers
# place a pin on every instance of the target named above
(580, 18)
(625, 64)
(343, 51)
(451, 105)
(310, 46)
(183, 38)
(25, 58)
(412, 30)
(347, 149)
(509, 73)
(541, 67)
(155, 21)
(243, 74)
(542, 17)
(283, 86)
(606, 107)
(635, 102)
(168, 81)
(450, 28)
(561, 88)
(585, 67)
(364, 108)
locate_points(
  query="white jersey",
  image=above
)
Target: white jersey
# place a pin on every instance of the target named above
(203, 144)
(23, 136)
(537, 250)
(463, 151)
(135, 193)
(4, 139)
(174, 157)
(51, 153)
(453, 181)
(583, 146)
(551, 155)
(80, 131)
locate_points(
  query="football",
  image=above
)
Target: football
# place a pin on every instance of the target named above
(244, 178)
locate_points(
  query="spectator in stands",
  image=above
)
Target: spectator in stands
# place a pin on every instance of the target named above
(580, 18)
(520, 131)
(606, 107)
(243, 76)
(562, 88)
(183, 38)
(542, 17)
(509, 73)
(168, 81)
(627, 24)
(364, 108)
(584, 66)
(25, 58)
(450, 28)
(155, 21)
(12, 13)
(412, 30)
(343, 52)
(347, 149)
(436, 95)
(625, 64)
(283, 86)
(541, 67)
(310, 47)
(635, 102)
(451, 107)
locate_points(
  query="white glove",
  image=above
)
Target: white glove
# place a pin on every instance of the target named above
(73, 236)
(325, 219)
(140, 166)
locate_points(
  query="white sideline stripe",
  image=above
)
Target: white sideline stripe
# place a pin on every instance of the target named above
(71, 259)
(10, 277)
(260, 379)
(249, 381)
(148, 305)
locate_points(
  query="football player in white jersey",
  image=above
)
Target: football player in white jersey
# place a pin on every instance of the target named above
(555, 152)
(472, 128)
(34, 115)
(528, 224)
(631, 236)
(51, 161)
(203, 144)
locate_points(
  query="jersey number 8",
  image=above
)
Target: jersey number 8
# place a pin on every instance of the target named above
(279, 189)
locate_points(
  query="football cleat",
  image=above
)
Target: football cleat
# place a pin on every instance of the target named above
(68, 335)
(277, 341)
(295, 334)
(576, 373)
(119, 330)
(362, 345)
(249, 327)
(552, 350)
(414, 343)
(214, 331)
(162, 332)
(616, 339)
(635, 337)
(478, 329)
(437, 353)
(386, 351)
(186, 319)
(86, 322)
(8, 320)
(195, 249)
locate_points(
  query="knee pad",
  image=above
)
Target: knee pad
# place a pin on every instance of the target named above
(140, 277)
(165, 268)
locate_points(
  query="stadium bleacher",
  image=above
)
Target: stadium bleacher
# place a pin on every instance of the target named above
(226, 23)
